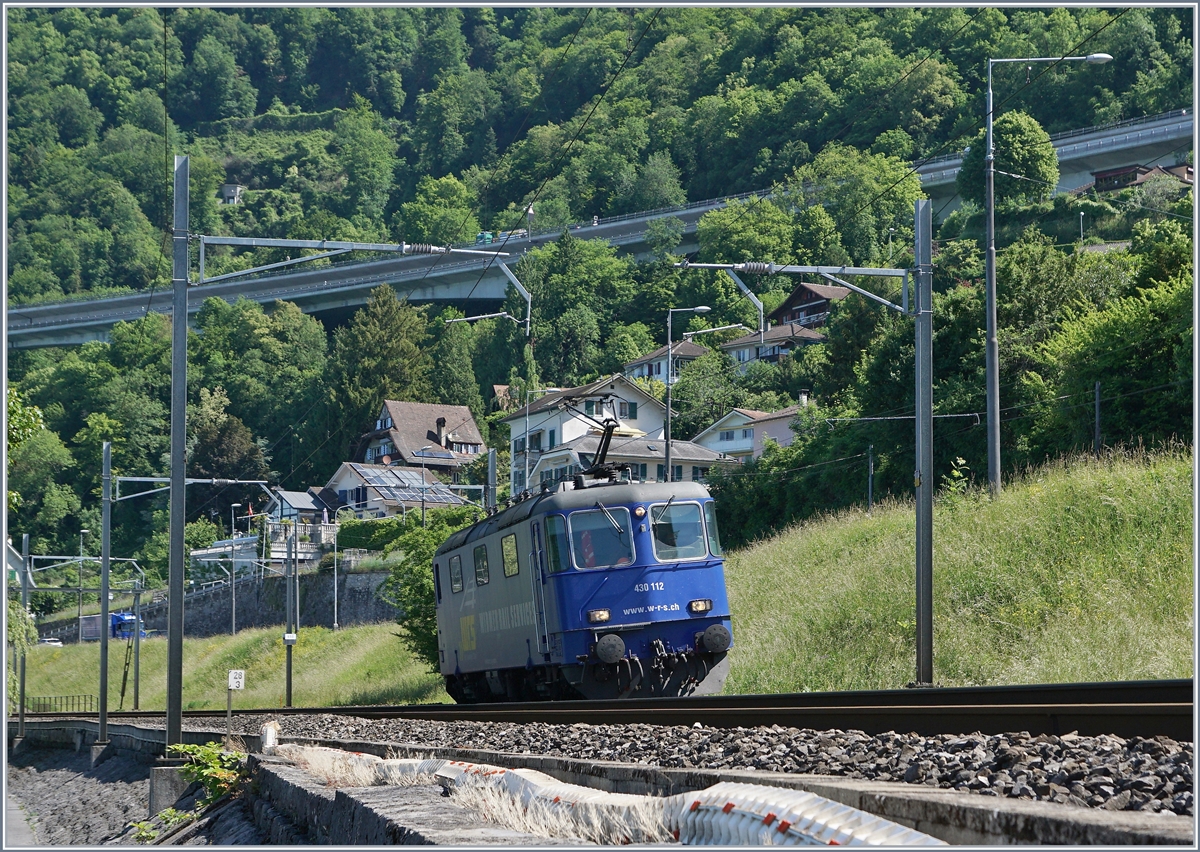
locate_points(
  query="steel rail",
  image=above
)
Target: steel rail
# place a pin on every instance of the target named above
(1126, 709)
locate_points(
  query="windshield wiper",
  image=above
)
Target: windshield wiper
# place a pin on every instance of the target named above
(664, 508)
(611, 519)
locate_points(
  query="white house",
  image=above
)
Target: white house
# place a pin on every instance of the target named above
(732, 434)
(654, 364)
(562, 416)
(558, 435)
(742, 432)
(645, 456)
(768, 346)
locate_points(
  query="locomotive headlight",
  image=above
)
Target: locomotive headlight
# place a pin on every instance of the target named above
(639, 512)
(597, 616)
(703, 605)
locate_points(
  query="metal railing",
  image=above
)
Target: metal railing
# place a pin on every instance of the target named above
(1068, 134)
(61, 704)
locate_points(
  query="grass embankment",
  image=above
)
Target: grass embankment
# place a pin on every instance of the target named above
(1079, 571)
(355, 665)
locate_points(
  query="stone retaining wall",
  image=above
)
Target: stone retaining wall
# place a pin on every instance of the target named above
(263, 603)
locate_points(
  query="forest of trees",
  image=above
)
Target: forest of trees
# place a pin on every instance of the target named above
(431, 124)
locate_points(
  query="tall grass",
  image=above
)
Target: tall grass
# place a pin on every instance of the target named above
(355, 665)
(1081, 570)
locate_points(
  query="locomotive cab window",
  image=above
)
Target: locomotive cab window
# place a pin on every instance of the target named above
(456, 584)
(710, 521)
(601, 538)
(437, 581)
(508, 551)
(557, 549)
(678, 531)
(481, 566)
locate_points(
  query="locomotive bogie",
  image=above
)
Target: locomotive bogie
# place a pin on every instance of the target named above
(604, 592)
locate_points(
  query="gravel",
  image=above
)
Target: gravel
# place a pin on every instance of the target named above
(1094, 772)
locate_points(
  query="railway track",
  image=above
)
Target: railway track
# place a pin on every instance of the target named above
(1126, 709)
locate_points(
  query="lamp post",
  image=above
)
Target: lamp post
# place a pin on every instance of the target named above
(233, 507)
(422, 452)
(699, 309)
(1081, 227)
(79, 598)
(989, 202)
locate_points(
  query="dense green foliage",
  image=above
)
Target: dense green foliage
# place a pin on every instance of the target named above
(1067, 321)
(425, 124)
(410, 586)
(430, 124)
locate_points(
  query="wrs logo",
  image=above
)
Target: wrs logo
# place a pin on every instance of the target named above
(466, 629)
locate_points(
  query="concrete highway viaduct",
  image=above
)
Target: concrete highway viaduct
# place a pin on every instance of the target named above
(335, 291)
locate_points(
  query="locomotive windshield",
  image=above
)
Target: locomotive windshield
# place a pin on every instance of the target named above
(710, 518)
(601, 538)
(678, 531)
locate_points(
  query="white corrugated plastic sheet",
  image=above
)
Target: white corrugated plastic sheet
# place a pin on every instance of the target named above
(730, 814)
(726, 814)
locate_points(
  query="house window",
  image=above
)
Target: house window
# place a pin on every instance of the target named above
(589, 407)
(640, 471)
(535, 442)
(370, 453)
(748, 434)
(727, 435)
(481, 566)
(519, 445)
(628, 410)
(508, 551)
(551, 443)
(698, 473)
(743, 355)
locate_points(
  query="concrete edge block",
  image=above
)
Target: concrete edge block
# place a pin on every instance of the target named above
(950, 815)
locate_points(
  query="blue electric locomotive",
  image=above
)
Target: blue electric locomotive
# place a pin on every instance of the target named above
(596, 590)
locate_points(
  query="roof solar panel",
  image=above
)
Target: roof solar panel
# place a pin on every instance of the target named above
(405, 485)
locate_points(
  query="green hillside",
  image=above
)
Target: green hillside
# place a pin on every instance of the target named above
(1079, 571)
(355, 665)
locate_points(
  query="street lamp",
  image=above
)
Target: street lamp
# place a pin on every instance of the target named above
(699, 309)
(79, 576)
(992, 351)
(233, 518)
(422, 452)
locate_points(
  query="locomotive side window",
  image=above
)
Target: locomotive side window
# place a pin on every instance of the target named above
(557, 549)
(437, 581)
(456, 584)
(508, 551)
(678, 531)
(601, 538)
(481, 566)
(710, 520)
